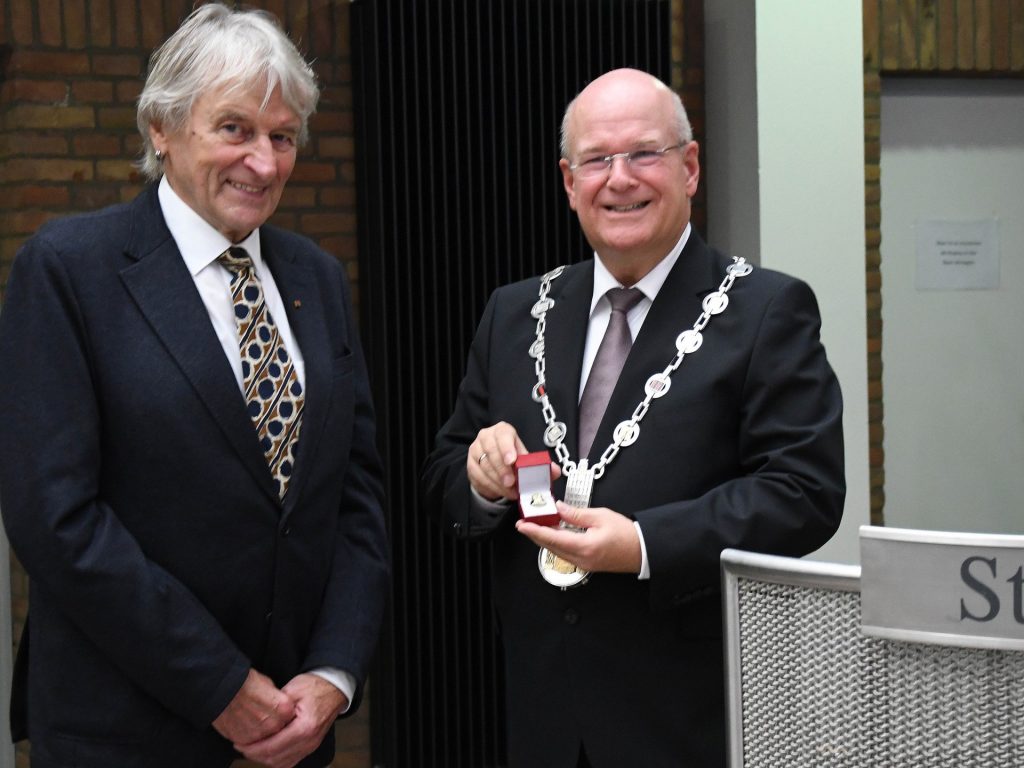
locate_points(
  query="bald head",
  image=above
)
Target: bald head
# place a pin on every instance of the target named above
(624, 91)
(629, 169)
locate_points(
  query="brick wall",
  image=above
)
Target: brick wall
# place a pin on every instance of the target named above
(930, 38)
(71, 71)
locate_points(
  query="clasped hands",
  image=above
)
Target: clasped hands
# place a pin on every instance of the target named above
(279, 727)
(610, 541)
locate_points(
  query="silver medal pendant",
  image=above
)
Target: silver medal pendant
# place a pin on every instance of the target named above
(558, 571)
(554, 569)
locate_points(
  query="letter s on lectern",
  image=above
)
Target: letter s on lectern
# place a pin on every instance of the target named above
(973, 583)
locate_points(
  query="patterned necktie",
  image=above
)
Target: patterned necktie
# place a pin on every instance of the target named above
(272, 389)
(611, 356)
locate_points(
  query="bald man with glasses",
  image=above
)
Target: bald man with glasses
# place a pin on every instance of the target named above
(686, 404)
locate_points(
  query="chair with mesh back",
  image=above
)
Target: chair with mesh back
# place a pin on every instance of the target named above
(806, 689)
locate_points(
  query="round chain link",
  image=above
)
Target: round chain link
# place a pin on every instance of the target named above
(626, 432)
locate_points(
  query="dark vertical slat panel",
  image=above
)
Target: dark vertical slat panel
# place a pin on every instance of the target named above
(403, 175)
(458, 105)
(368, 76)
(432, 93)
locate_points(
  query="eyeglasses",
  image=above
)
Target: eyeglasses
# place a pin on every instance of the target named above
(592, 167)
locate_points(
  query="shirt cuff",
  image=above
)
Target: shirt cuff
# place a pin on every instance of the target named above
(493, 507)
(645, 567)
(340, 679)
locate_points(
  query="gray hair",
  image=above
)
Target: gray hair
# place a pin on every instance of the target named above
(220, 48)
(682, 127)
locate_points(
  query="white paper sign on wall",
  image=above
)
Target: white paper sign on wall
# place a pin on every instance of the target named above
(957, 255)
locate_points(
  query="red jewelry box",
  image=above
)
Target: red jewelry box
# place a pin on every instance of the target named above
(536, 503)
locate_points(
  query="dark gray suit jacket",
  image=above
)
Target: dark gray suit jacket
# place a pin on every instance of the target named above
(135, 493)
(745, 450)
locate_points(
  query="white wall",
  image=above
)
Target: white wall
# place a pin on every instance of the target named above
(954, 359)
(785, 175)
(733, 192)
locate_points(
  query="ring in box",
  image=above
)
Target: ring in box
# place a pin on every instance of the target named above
(536, 504)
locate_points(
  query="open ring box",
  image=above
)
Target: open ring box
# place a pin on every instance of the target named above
(536, 504)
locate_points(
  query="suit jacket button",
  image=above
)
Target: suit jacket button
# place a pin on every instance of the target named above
(268, 617)
(572, 616)
(285, 532)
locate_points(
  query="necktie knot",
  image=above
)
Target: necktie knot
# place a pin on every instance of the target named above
(624, 299)
(236, 260)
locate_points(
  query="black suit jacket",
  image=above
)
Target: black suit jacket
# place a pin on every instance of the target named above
(745, 450)
(135, 493)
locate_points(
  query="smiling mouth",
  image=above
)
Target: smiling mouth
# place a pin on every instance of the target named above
(245, 187)
(627, 208)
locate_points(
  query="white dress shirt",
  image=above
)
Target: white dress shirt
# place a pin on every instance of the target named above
(601, 308)
(200, 244)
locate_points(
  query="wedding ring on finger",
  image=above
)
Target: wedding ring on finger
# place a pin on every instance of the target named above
(482, 457)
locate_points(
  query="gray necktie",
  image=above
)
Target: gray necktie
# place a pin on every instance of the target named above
(611, 356)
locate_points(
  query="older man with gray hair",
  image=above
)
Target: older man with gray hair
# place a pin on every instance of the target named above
(188, 468)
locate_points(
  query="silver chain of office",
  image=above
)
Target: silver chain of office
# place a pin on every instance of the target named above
(626, 432)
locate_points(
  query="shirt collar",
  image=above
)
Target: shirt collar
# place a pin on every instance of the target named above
(649, 284)
(199, 243)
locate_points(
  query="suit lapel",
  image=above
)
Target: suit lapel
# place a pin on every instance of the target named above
(297, 285)
(565, 335)
(676, 308)
(163, 289)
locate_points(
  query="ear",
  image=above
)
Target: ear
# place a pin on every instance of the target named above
(567, 182)
(157, 137)
(691, 161)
